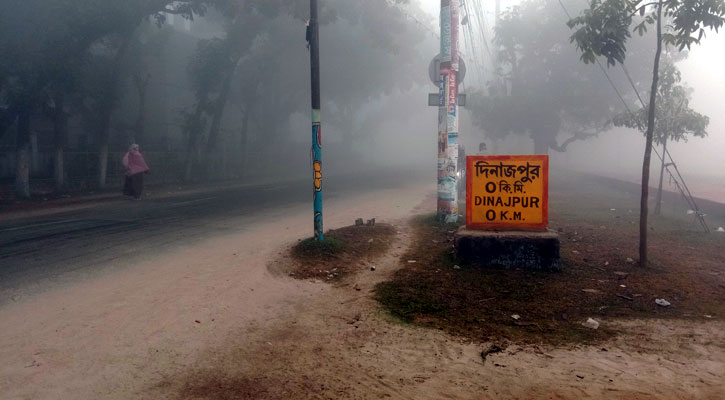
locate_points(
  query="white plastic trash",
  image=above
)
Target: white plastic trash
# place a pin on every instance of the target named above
(662, 302)
(591, 324)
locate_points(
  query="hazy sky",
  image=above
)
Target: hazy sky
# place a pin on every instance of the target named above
(703, 71)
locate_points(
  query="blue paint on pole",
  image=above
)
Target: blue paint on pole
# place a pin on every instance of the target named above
(317, 172)
(316, 151)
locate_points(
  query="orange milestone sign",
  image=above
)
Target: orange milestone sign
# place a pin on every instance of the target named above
(509, 192)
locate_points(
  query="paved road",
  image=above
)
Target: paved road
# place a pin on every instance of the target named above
(37, 253)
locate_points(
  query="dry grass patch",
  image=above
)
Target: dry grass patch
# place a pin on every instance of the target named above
(343, 251)
(600, 277)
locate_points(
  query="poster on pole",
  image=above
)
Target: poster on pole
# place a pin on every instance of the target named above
(507, 192)
(454, 34)
(452, 89)
(446, 33)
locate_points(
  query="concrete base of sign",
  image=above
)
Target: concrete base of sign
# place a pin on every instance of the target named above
(509, 249)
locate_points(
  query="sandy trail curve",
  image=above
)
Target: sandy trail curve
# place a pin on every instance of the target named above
(340, 345)
(112, 336)
(215, 321)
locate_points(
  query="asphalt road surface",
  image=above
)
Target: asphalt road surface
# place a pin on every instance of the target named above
(38, 253)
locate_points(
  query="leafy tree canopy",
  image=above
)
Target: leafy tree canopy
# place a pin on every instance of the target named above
(604, 28)
(543, 90)
(676, 119)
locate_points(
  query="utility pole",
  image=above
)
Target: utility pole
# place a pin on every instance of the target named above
(658, 201)
(314, 43)
(448, 114)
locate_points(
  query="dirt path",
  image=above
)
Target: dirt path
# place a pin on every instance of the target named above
(339, 345)
(116, 335)
(215, 322)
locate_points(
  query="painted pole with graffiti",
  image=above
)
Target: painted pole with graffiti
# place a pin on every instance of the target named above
(448, 114)
(316, 151)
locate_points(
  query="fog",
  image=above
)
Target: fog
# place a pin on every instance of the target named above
(222, 92)
(619, 152)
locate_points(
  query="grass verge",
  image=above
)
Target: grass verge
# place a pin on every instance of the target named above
(343, 251)
(600, 278)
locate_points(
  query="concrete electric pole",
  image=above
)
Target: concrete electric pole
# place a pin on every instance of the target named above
(448, 114)
(316, 151)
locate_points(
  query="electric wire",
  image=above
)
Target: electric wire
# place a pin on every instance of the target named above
(685, 193)
(413, 17)
(475, 34)
(477, 66)
(629, 78)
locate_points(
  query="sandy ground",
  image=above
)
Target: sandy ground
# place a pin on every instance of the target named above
(221, 320)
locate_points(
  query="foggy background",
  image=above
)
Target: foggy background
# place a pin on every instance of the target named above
(618, 152)
(374, 66)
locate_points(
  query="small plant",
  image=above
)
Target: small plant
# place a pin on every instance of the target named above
(310, 247)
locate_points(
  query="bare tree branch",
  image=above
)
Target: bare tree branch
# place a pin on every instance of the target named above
(577, 136)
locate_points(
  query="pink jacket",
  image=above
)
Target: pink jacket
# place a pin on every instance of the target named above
(134, 163)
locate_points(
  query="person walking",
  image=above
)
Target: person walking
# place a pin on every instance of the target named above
(135, 166)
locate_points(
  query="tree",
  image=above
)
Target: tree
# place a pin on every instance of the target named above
(541, 89)
(127, 16)
(57, 109)
(146, 51)
(210, 60)
(604, 29)
(60, 59)
(24, 55)
(251, 66)
(677, 120)
(41, 43)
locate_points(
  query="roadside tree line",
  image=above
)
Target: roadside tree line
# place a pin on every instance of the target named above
(95, 63)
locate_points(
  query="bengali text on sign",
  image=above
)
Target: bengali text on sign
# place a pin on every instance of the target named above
(509, 192)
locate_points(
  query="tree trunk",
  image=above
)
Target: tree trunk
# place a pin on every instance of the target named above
(541, 146)
(195, 126)
(103, 139)
(60, 135)
(58, 170)
(648, 145)
(243, 141)
(189, 163)
(7, 119)
(658, 205)
(102, 164)
(22, 154)
(106, 110)
(34, 158)
(212, 145)
(140, 126)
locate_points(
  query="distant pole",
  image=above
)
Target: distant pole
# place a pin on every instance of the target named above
(658, 202)
(316, 125)
(448, 114)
